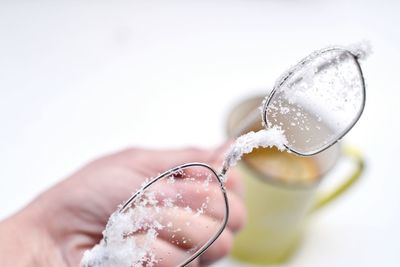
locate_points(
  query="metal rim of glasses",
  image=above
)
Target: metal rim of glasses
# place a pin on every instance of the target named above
(290, 73)
(128, 203)
(219, 177)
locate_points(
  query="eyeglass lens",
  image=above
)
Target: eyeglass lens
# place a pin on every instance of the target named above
(318, 101)
(167, 212)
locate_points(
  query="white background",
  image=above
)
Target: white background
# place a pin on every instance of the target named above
(82, 78)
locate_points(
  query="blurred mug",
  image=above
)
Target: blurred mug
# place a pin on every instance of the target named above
(280, 191)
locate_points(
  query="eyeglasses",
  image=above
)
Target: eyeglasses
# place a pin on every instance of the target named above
(180, 213)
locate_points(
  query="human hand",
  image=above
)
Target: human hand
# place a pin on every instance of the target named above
(68, 219)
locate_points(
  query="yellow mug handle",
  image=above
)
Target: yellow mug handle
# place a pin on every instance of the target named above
(354, 155)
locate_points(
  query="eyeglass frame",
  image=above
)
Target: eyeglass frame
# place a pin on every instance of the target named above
(221, 176)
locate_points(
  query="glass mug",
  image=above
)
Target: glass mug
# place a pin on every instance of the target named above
(279, 202)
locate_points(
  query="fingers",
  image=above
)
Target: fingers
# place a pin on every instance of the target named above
(167, 255)
(182, 236)
(220, 248)
(210, 200)
(198, 187)
(190, 233)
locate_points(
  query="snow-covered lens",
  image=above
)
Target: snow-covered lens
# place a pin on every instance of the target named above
(318, 101)
(169, 223)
